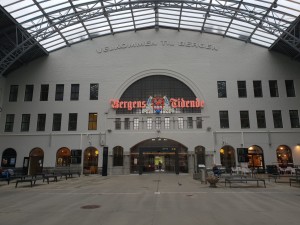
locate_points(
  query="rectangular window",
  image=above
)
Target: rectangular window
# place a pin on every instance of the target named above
(167, 123)
(44, 92)
(136, 123)
(199, 122)
(94, 88)
(72, 126)
(25, 122)
(28, 93)
(190, 122)
(261, 119)
(74, 92)
(118, 124)
(294, 118)
(180, 122)
(127, 124)
(13, 94)
(257, 87)
(244, 116)
(41, 122)
(59, 92)
(242, 89)
(149, 123)
(222, 93)
(273, 88)
(224, 119)
(290, 90)
(92, 121)
(9, 124)
(157, 123)
(277, 118)
(56, 125)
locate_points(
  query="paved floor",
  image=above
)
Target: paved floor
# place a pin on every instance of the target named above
(157, 199)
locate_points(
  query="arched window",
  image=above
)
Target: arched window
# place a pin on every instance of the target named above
(118, 156)
(63, 157)
(227, 155)
(284, 156)
(90, 160)
(256, 157)
(9, 157)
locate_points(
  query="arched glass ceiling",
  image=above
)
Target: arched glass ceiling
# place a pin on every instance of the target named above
(59, 23)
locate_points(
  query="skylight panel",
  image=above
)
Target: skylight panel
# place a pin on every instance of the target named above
(56, 46)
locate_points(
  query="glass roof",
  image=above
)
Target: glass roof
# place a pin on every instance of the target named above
(59, 23)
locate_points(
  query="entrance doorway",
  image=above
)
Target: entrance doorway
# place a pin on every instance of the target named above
(227, 156)
(158, 155)
(90, 160)
(36, 160)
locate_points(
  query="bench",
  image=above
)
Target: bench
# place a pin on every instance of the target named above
(67, 172)
(231, 180)
(48, 176)
(296, 178)
(28, 180)
(7, 179)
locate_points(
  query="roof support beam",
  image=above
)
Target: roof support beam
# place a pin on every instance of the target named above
(180, 15)
(156, 16)
(133, 21)
(106, 14)
(206, 15)
(236, 12)
(50, 22)
(79, 18)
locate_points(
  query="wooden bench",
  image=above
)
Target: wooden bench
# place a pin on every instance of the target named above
(296, 178)
(28, 180)
(48, 176)
(7, 179)
(231, 180)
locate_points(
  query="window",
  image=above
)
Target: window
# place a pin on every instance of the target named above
(273, 88)
(222, 93)
(25, 122)
(13, 94)
(257, 89)
(44, 92)
(199, 122)
(75, 92)
(118, 156)
(149, 123)
(190, 122)
(294, 118)
(242, 90)
(290, 90)
(72, 126)
(277, 119)
(167, 123)
(28, 93)
(59, 92)
(136, 123)
(92, 121)
(56, 125)
(180, 122)
(118, 124)
(94, 91)
(41, 122)
(224, 119)
(244, 116)
(157, 123)
(261, 119)
(127, 124)
(9, 124)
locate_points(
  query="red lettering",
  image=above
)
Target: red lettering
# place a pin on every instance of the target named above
(144, 104)
(114, 103)
(187, 104)
(129, 106)
(192, 104)
(173, 103)
(134, 104)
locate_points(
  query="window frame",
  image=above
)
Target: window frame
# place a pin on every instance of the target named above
(56, 122)
(222, 89)
(28, 95)
(242, 88)
(72, 121)
(261, 119)
(59, 92)
(41, 122)
(244, 119)
(44, 93)
(290, 88)
(13, 93)
(9, 123)
(224, 119)
(273, 86)
(94, 93)
(277, 121)
(93, 120)
(75, 89)
(257, 89)
(294, 119)
(25, 123)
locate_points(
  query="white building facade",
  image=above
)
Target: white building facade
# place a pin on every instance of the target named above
(58, 111)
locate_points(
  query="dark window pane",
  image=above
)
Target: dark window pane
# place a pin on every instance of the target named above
(127, 124)
(118, 156)
(190, 122)
(41, 122)
(294, 118)
(224, 120)
(25, 122)
(72, 122)
(277, 119)
(242, 89)
(9, 124)
(261, 119)
(290, 90)
(13, 94)
(222, 93)
(273, 88)
(59, 93)
(94, 88)
(118, 124)
(74, 91)
(257, 88)
(56, 126)
(44, 92)
(245, 123)
(199, 122)
(28, 93)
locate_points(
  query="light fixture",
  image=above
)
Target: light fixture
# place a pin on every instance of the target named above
(222, 151)
(251, 148)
